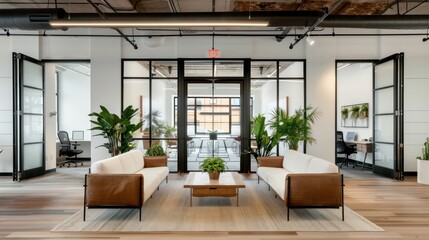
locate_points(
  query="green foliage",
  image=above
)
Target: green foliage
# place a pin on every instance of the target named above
(128, 129)
(155, 151)
(117, 130)
(294, 128)
(344, 113)
(425, 151)
(264, 142)
(363, 111)
(169, 131)
(212, 165)
(155, 122)
(355, 112)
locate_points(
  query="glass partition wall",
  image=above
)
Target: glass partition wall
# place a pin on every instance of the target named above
(182, 101)
(276, 84)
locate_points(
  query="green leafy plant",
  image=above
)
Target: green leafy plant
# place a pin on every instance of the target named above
(156, 124)
(363, 111)
(156, 150)
(295, 128)
(425, 151)
(264, 142)
(345, 113)
(117, 130)
(212, 165)
(169, 131)
(355, 113)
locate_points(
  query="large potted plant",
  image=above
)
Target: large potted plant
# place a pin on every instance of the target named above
(423, 164)
(213, 166)
(295, 128)
(117, 130)
(265, 142)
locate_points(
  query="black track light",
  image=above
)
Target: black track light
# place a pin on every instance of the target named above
(425, 39)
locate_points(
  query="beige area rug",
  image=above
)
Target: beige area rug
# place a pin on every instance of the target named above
(169, 210)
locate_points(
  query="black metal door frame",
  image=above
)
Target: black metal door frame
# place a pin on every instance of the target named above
(244, 113)
(19, 173)
(398, 112)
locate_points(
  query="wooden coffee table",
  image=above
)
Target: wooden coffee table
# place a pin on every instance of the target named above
(200, 185)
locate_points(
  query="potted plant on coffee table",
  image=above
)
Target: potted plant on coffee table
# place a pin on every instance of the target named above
(423, 165)
(213, 166)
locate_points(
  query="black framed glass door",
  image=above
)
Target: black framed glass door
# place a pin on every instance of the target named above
(388, 116)
(28, 117)
(213, 112)
(213, 125)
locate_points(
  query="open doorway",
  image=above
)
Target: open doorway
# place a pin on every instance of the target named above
(72, 104)
(354, 89)
(370, 115)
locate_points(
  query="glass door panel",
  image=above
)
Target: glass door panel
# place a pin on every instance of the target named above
(213, 123)
(29, 140)
(388, 120)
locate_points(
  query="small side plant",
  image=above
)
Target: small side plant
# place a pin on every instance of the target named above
(154, 151)
(425, 151)
(213, 165)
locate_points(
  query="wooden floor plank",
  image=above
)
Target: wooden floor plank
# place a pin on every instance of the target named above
(30, 209)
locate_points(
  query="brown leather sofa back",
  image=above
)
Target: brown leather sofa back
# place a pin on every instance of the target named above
(314, 190)
(114, 190)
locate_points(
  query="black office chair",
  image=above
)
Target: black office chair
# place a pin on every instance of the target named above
(344, 148)
(67, 150)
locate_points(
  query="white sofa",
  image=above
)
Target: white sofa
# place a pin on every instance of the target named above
(302, 180)
(126, 180)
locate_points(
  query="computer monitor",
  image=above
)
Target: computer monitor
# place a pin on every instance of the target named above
(77, 135)
(350, 136)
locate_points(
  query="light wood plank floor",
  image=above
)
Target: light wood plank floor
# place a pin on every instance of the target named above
(30, 209)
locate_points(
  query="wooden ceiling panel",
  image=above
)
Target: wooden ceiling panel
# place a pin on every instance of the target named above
(350, 7)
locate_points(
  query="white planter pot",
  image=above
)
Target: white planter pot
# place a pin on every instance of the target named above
(423, 171)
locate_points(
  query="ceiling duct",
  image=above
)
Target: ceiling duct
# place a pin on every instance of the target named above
(29, 19)
(377, 21)
(39, 19)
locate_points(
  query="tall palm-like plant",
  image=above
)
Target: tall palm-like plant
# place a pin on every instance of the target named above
(128, 129)
(117, 130)
(294, 128)
(264, 141)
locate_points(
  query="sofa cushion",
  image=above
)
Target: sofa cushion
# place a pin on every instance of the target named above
(318, 165)
(278, 183)
(296, 162)
(152, 178)
(131, 161)
(268, 172)
(109, 165)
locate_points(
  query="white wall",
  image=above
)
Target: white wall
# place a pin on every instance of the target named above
(105, 83)
(107, 52)
(74, 98)
(354, 86)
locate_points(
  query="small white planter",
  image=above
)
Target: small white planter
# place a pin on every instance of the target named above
(423, 171)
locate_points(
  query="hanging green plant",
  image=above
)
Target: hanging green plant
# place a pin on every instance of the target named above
(345, 113)
(355, 113)
(363, 112)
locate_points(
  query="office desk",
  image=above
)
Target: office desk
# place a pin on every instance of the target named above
(364, 147)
